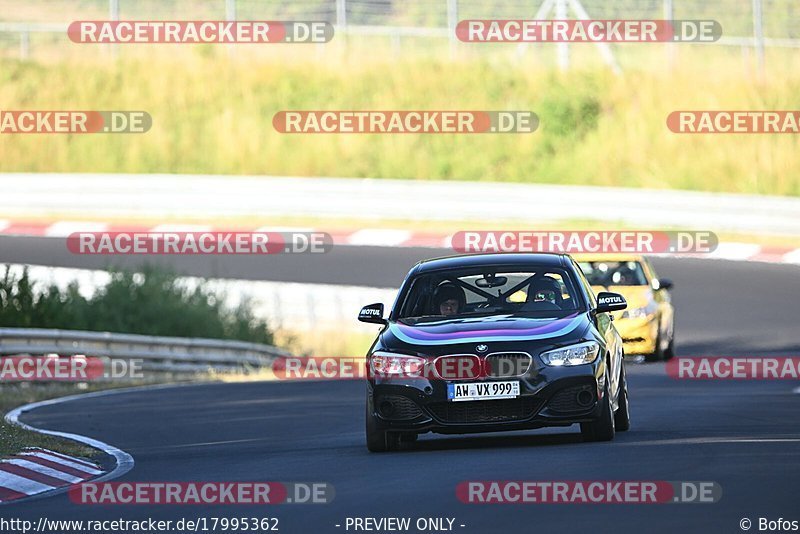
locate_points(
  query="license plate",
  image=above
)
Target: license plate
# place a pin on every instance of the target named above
(483, 390)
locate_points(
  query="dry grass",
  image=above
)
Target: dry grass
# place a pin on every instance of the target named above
(213, 114)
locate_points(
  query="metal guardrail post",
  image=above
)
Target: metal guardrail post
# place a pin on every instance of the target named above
(230, 16)
(113, 14)
(758, 35)
(669, 14)
(341, 13)
(452, 22)
(24, 44)
(562, 48)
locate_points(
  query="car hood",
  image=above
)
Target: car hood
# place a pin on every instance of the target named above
(484, 330)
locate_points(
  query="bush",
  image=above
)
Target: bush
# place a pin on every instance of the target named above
(151, 302)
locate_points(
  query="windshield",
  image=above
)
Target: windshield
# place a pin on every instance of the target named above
(549, 292)
(614, 273)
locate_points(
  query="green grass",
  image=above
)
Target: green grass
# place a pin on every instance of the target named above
(213, 114)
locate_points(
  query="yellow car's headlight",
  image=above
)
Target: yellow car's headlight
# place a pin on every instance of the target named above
(640, 313)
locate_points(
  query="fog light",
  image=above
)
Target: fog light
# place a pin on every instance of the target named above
(585, 397)
(386, 408)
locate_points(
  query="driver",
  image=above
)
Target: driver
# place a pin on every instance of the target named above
(448, 299)
(545, 289)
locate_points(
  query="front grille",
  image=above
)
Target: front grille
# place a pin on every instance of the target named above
(458, 367)
(505, 364)
(486, 411)
(566, 400)
(397, 407)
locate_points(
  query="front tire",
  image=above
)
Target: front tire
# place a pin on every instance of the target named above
(622, 417)
(669, 353)
(603, 428)
(657, 355)
(379, 440)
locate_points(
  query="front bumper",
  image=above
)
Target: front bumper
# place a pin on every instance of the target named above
(551, 397)
(638, 335)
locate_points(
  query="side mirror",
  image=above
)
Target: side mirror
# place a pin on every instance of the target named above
(372, 313)
(662, 283)
(608, 302)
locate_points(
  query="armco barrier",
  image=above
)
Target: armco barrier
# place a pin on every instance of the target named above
(158, 354)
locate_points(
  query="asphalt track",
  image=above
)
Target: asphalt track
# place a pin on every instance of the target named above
(743, 435)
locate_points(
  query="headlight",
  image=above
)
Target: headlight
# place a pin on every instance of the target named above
(388, 364)
(640, 313)
(635, 313)
(579, 354)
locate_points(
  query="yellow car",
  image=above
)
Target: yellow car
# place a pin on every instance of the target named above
(647, 325)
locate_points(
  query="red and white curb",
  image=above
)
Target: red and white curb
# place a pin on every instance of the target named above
(370, 237)
(35, 471)
(38, 472)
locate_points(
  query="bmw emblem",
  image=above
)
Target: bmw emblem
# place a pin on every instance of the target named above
(482, 348)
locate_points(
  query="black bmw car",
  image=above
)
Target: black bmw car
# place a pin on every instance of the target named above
(495, 342)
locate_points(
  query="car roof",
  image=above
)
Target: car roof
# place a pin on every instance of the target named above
(494, 259)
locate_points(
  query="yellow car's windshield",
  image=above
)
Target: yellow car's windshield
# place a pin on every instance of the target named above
(614, 273)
